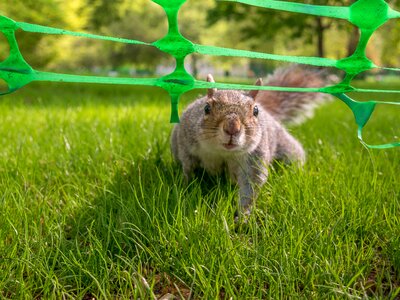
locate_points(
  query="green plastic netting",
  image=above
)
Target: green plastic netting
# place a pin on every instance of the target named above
(367, 15)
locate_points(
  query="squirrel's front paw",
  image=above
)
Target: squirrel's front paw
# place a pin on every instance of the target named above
(242, 216)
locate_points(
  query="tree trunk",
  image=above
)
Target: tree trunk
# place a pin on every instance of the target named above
(195, 70)
(353, 41)
(320, 37)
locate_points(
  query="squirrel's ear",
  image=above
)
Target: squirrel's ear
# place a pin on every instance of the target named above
(210, 92)
(254, 93)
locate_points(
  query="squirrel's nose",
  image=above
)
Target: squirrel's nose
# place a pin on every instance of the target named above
(232, 127)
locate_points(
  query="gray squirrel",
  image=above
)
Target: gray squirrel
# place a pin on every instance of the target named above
(242, 133)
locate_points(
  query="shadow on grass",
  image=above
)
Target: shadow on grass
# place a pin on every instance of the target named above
(136, 224)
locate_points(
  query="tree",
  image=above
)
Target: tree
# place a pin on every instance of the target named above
(43, 12)
(140, 20)
(193, 23)
(266, 25)
(389, 36)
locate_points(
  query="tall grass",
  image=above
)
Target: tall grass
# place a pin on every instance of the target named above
(93, 206)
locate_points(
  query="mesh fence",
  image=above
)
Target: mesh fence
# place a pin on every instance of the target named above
(367, 15)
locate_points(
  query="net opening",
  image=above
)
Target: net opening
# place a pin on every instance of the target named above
(4, 89)
(4, 47)
(383, 125)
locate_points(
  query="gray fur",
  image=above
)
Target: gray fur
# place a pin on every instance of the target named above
(201, 139)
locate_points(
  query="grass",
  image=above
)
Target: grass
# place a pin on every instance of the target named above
(92, 206)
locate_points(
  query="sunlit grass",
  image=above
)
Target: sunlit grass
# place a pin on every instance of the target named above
(92, 205)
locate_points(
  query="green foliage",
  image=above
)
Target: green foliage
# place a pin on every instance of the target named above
(264, 26)
(141, 20)
(391, 44)
(103, 12)
(233, 25)
(150, 25)
(44, 12)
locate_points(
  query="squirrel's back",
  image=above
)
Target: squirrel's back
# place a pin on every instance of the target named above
(292, 107)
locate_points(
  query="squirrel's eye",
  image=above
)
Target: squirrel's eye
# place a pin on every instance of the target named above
(207, 109)
(255, 111)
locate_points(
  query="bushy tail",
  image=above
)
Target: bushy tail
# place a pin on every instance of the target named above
(293, 107)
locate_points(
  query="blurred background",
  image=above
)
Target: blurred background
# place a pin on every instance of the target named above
(207, 22)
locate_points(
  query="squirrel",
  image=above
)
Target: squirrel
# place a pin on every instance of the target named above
(242, 133)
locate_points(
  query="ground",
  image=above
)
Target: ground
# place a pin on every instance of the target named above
(92, 206)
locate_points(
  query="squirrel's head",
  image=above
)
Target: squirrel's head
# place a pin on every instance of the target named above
(230, 120)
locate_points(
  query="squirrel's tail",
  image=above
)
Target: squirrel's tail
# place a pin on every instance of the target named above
(292, 107)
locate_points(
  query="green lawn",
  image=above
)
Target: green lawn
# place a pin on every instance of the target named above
(92, 206)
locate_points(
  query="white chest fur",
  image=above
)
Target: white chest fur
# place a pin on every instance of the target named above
(216, 161)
